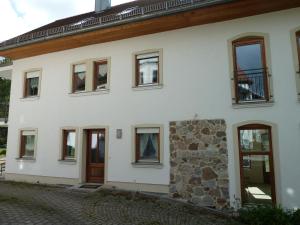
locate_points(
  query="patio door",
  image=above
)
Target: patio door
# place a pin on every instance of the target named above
(256, 164)
(95, 165)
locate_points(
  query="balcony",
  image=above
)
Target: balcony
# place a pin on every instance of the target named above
(5, 62)
(251, 85)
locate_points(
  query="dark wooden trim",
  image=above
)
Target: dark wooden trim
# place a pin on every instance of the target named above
(22, 144)
(298, 46)
(217, 13)
(250, 40)
(269, 153)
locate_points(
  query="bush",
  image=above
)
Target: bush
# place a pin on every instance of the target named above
(2, 151)
(268, 215)
(295, 217)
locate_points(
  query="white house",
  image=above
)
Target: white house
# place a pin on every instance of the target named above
(196, 98)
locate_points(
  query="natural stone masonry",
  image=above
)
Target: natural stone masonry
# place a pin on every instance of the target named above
(199, 162)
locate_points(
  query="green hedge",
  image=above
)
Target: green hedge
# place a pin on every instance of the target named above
(269, 215)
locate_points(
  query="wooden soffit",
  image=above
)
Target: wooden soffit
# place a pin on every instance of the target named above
(212, 14)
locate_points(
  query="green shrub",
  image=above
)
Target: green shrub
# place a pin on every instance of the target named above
(2, 151)
(266, 215)
(295, 218)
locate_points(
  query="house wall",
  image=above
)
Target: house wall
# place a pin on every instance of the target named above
(196, 84)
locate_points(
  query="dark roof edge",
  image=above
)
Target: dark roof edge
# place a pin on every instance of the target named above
(139, 14)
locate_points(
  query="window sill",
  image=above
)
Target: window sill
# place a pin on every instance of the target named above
(255, 104)
(32, 98)
(155, 165)
(89, 93)
(68, 161)
(26, 159)
(147, 87)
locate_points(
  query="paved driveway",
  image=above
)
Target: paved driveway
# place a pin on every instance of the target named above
(22, 204)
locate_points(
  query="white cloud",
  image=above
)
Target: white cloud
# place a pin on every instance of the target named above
(19, 16)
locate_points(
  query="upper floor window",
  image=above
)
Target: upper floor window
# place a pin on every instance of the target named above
(250, 70)
(28, 143)
(69, 144)
(32, 83)
(79, 77)
(100, 75)
(148, 68)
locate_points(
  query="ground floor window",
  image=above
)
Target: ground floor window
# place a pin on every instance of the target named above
(69, 144)
(147, 144)
(28, 143)
(256, 164)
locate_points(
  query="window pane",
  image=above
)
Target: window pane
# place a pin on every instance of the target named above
(250, 72)
(79, 79)
(148, 146)
(101, 149)
(94, 146)
(29, 145)
(255, 140)
(148, 70)
(101, 75)
(71, 143)
(32, 86)
(257, 179)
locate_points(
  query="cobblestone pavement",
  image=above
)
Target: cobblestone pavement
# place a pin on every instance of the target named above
(22, 204)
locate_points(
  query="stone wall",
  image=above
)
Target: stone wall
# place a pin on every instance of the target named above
(199, 162)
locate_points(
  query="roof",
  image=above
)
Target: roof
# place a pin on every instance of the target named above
(133, 19)
(138, 9)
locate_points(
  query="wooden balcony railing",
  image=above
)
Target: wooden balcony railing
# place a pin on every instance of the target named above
(251, 85)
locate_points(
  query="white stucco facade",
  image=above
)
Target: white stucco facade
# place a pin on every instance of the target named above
(196, 82)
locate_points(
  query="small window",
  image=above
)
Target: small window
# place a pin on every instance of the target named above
(250, 70)
(147, 144)
(28, 142)
(79, 77)
(100, 75)
(32, 80)
(147, 69)
(69, 144)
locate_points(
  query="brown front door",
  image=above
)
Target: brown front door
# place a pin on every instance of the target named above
(95, 164)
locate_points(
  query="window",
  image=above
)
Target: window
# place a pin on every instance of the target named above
(90, 76)
(100, 75)
(79, 77)
(256, 164)
(147, 144)
(250, 70)
(148, 68)
(69, 144)
(28, 143)
(32, 81)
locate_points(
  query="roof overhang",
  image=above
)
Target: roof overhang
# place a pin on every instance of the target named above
(204, 15)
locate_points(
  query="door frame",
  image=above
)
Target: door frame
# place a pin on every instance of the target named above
(236, 196)
(269, 153)
(84, 151)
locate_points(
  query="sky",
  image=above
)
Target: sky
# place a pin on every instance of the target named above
(20, 16)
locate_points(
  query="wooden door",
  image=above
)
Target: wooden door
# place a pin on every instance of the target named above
(95, 165)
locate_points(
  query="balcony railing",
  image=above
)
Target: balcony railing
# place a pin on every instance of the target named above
(96, 22)
(251, 85)
(5, 62)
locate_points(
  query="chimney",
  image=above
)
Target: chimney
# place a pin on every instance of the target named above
(101, 5)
